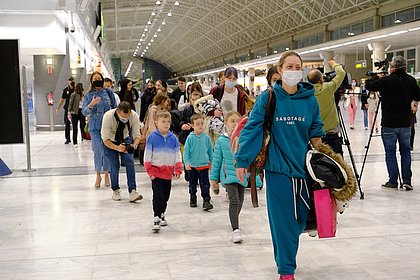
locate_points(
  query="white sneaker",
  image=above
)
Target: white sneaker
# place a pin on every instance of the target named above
(237, 236)
(163, 221)
(134, 196)
(116, 195)
(76, 146)
(156, 224)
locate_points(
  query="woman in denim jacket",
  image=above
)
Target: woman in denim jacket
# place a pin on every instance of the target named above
(96, 102)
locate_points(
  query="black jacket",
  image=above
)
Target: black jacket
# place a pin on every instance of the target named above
(397, 92)
(176, 94)
(146, 101)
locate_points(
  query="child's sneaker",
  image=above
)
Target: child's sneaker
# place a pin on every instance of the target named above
(206, 204)
(163, 221)
(156, 224)
(237, 236)
(287, 277)
(193, 200)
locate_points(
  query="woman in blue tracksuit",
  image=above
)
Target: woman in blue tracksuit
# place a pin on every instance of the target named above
(96, 102)
(296, 122)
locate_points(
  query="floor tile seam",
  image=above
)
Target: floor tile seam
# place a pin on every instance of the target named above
(360, 237)
(150, 250)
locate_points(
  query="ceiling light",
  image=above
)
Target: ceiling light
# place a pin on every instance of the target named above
(139, 44)
(370, 47)
(275, 51)
(158, 30)
(153, 13)
(397, 21)
(145, 51)
(149, 44)
(149, 22)
(141, 39)
(163, 22)
(158, 2)
(169, 14)
(141, 55)
(176, 3)
(387, 47)
(142, 35)
(147, 48)
(152, 40)
(287, 49)
(155, 35)
(350, 33)
(146, 29)
(134, 55)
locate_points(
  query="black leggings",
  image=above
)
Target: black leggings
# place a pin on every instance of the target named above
(74, 120)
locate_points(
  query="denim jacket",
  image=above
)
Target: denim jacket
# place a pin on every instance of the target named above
(97, 112)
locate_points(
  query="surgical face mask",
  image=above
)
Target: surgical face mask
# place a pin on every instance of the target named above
(291, 78)
(230, 84)
(123, 120)
(98, 84)
(273, 83)
(353, 84)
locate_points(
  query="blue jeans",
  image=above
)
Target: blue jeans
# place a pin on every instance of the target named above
(113, 158)
(365, 118)
(101, 163)
(202, 176)
(390, 136)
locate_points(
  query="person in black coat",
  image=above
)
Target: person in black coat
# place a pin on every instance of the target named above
(147, 99)
(399, 99)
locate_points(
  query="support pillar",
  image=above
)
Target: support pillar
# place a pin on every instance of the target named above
(328, 55)
(251, 76)
(378, 53)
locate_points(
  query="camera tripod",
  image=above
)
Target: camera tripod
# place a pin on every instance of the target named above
(346, 142)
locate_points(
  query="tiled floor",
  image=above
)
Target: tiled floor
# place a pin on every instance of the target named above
(55, 225)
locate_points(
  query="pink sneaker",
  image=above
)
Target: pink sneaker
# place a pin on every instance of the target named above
(287, 277)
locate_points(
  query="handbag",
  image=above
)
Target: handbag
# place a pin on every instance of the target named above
(326, 213)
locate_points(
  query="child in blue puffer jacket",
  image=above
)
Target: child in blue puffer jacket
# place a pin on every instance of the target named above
(223, 170)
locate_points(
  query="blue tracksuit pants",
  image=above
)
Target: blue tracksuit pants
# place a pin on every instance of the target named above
(287, 213)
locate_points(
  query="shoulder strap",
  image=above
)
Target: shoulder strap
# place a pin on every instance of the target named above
(111, 98)
(270, 109)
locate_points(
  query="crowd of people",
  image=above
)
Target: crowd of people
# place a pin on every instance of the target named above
(184, 131)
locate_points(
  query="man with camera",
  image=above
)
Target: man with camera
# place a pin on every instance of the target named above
(324, 93)
(399, 99)
(121, 135)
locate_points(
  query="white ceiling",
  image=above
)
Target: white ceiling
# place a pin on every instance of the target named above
(201, 30)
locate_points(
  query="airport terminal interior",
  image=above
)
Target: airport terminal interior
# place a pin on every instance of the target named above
(54, 222)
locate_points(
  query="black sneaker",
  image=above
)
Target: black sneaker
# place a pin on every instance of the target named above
(390, 185)
(207, 205)
(408, 187)
(67, 142)
(193, 200)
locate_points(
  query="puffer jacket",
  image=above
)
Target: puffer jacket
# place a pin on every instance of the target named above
(222, 167)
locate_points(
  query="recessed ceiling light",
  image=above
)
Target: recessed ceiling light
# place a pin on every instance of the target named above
(163, 22)
(141, 39)
(146, 29)
(155, 35)
(149, 22)
(149, 44)
(159, 29)
(141, 55)
(153, 13)
(147, 48)
(169, 14)
(397, 21)
(176, 3)
(158, 2)
(350, 33)
(134, 55)
(142, 35)
(152, 40)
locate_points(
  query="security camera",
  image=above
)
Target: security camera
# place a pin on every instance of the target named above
(72, 28)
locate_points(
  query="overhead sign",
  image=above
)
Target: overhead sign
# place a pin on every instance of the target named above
(360, 64)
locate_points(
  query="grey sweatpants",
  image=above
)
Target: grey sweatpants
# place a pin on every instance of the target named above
(236, 199)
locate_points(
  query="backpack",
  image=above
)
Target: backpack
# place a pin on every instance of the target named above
(257, 166)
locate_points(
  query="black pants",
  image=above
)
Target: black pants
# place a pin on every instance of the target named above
(67, 125)
(161, 192)
(334, 141)
(75, 119)
(201, 176)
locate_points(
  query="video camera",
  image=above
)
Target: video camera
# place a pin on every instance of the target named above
(345, 84)
(381, 67)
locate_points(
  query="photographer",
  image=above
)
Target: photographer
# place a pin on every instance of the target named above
(119, 127)
(324, 93)
(399, 96)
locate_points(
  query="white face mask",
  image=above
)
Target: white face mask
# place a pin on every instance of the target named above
(291, 78)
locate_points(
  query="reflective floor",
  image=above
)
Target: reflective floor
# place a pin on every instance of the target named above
(55, 225)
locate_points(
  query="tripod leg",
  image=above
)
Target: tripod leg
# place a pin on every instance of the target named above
(346, 142)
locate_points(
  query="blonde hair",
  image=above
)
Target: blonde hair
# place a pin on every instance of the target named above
(285, 55)
(163, 115)
(230, 114)
(159, 99)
